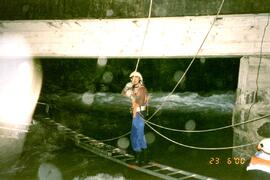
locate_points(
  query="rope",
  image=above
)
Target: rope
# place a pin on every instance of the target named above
(220, 7)
(146, 30)
(192, 131)
(215, 129)
(259, 66)
(200, 148)
(208, 130)
(112, 139)
(181, 144)
(138, 60)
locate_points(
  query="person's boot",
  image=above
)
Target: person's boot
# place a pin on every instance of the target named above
(145, 156)
(137, 156)
(141, 158)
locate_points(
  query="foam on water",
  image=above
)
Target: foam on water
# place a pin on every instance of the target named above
(189, 101)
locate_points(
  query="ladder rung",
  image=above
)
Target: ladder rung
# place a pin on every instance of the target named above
(120, 156)
(162, 169)
(60, 125)
(173, 173)
(186, 177)
(85, 138)
(70, 132)
(148, 166)
(79, 137)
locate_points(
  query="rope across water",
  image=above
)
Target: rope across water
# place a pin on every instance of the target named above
(193, 59)
(187, 69)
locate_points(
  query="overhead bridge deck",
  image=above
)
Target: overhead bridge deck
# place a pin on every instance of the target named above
(120, 156)
(172, 37)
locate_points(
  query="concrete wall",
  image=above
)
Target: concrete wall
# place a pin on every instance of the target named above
(253, 101)
(96, 9)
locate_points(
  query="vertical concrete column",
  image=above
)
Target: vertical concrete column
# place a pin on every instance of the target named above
(252, 101)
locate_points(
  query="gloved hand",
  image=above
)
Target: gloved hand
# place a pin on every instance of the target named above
(129, 85)
(128, 89)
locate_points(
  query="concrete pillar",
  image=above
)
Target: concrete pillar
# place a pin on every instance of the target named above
(252, 101)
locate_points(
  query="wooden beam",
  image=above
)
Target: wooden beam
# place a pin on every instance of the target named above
(232, 35)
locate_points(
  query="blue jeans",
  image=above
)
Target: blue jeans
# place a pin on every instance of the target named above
(137, 137)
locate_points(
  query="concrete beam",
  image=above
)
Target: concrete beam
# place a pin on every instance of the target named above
(232, 35)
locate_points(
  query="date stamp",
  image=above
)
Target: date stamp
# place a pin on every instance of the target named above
(228, 160)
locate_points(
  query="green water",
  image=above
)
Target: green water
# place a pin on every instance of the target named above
(47, 151)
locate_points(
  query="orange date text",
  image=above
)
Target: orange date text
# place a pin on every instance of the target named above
(228, 160)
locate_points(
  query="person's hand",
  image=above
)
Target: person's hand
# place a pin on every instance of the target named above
(129, 93)
(128, 85)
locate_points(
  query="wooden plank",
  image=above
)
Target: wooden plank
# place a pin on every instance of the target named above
(232, 35)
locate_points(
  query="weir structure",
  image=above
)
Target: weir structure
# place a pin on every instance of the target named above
(246, 36)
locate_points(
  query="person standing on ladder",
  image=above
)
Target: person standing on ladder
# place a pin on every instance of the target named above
(138, 94)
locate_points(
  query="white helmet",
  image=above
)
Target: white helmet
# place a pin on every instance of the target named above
(135, 73)
(264, 146)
